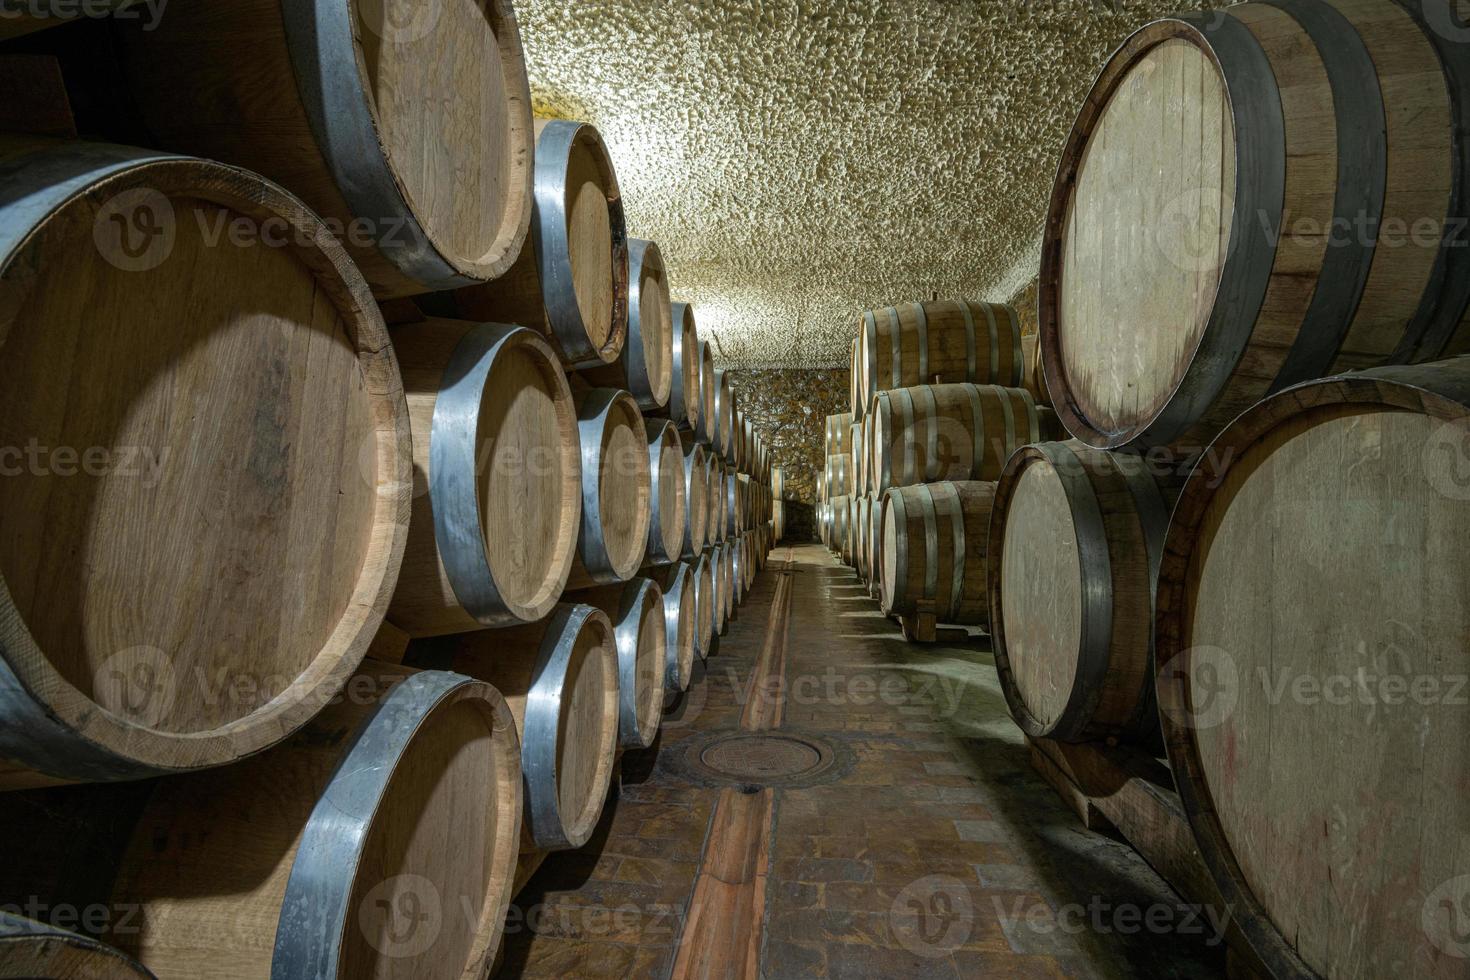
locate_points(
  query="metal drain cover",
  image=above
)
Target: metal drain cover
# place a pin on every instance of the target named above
(763, 758)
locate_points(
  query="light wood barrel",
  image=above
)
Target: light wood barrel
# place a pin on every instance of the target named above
(708, 386)
(737, 570)
(841, 507)
(646, 366)
(1315, 222)
(735, 503)
(722, 431)
(719, 586)
(839, 475)
(706, 588)
(199, 429)
(839, 434)
(935, 433)
(1075, 545)
(668, 514)
(1313, 604)
(570, 283)
(934, 550)
(854, 379)
(35, 951)
(380, 842)
(561, 679)
(732, 589)
(953, 341)
(640, 632)
(686, 387)
(681, 620)
(857, 473)
(696, 500)
(495, 518)
(616, 508)
(407, 127)
(719, 498)
(874, 545)
(859, 509)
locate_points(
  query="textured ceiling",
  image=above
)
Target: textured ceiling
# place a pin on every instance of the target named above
(799, 161)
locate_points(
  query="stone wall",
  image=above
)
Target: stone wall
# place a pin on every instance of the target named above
(789, 408)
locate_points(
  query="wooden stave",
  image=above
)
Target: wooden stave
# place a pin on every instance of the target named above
(1222, 379)
(1438, 389)
(665, 549)
(963, 405)
(35, 949)
(650, 388)
(331, 782)
(43, 742)
(1088, 476)
(967, 532)
(993, 359)
(633, 607)
(345, 173)
(446, 539)
(593, 565)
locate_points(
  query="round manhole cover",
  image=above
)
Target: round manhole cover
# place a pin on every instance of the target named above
(763, 758)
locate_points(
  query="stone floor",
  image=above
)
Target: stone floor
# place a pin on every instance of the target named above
(928, 847)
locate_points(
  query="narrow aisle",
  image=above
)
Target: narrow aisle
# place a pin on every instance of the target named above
(844, 804)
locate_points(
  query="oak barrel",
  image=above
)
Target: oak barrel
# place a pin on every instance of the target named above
(320, 857)
(951, 341)
(1075, 544)
(199, 428)
(934, 433)
(722, 430)
(686, 387)
(706, 596)
(570, 283)
(406, 126)
(495, 519)
(668, 512)
(934, 550)
(839, 475)
(1313, 604)
(696, 499)
(708, 385)
(838, 434)
(646, 366)
(1314, 221)
(640, 632)
(616, 508)
(681, 621)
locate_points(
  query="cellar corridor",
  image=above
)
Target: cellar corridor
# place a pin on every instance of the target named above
(874, 812)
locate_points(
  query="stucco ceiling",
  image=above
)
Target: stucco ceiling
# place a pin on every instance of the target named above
(799, 161)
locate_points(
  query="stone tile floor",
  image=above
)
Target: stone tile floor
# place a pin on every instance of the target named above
(931, 849)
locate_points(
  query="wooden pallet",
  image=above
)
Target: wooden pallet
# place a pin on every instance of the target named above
(1126, 790)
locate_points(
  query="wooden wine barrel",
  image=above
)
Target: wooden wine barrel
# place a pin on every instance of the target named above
(570, 283)
(722, 430)
(640, 632)
(934, 551)
(218, 424)
(561, 679)
(731, 589)
(403, 800)
(686, 388)
(1312, 609)
(719, 498)
(36, 951)
(838, 524)
(708, 386)
(666, 523)
(408, 128)
(1034, 380)
(874, 544)
(935, 433)
(859, 510)
(616, 509)
(737, 570)
(696, 500)
(945, 342)
(645, 368)
(495, 519)
(839, 475)
(706, 596)
(680, 586)
(719, 586)
(735, 503)
(1075, 544)
(1316, 222)
(854, 378)
(838, 434)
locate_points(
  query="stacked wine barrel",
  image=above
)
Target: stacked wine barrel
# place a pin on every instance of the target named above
(1284, 610)
(380, 525)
